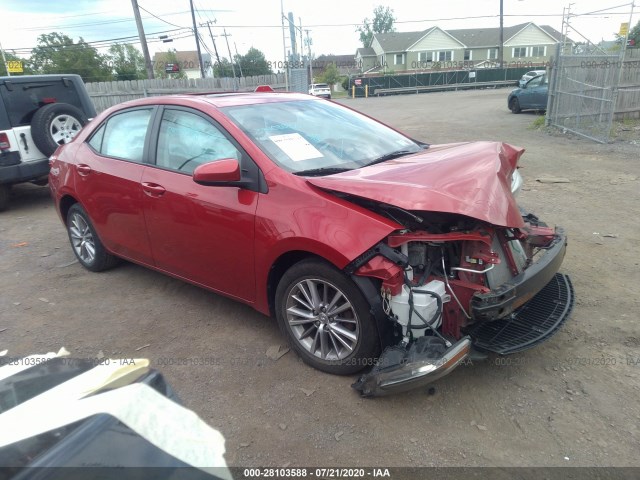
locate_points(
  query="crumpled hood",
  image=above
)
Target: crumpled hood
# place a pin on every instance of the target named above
(472, 179)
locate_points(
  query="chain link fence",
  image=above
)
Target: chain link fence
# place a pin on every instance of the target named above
(583, 92)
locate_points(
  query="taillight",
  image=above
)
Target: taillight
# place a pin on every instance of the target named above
(4, 143)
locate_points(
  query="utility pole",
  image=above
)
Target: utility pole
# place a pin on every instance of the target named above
(239, 63)
(501, 52)
(301, 40)
(195, 31)
(215, 49)
(284, 48)
(309, 56)
(233, 69)
(143, 40)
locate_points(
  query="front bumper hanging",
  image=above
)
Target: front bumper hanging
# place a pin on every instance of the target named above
(400, 369)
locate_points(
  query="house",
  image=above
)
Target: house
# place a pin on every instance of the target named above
(187, 61)
(344, 63)
(526, 44)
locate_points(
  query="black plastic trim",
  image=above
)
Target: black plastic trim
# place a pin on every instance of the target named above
(24, 172)
(503, 300)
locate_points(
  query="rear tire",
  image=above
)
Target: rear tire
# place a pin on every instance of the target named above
(85, 243)
(514, 106)
(326, 318)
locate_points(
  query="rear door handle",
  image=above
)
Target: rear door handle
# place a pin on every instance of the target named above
(83, 169)
(153, 189)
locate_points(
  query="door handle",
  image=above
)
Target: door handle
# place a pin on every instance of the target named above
(83, 169)
(23, 137)
(152, 189)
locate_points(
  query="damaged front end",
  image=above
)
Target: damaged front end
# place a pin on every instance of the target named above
(453, 287)
(467, 273)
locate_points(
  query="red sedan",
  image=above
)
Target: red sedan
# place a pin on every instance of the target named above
(370, 249)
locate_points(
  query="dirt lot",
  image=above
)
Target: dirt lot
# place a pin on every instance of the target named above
(572, 401)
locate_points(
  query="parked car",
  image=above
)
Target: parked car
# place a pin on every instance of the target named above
(533, 96)
(320, 90)
(38, 113)
(356, 238)
(529, 75)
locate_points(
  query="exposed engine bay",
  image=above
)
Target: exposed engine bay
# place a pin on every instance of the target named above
(445, 278)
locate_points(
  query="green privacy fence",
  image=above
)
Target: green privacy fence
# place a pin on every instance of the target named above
(444, 79)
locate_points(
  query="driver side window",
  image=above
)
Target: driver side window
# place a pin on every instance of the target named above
(535, 82)
(187, 140)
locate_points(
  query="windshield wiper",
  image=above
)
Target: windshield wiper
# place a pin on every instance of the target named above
(312, 172)
(389, 156)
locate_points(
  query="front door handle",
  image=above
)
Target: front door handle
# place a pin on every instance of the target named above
(153, 189)
(83, 169)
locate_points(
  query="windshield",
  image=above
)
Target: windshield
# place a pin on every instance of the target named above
(317, 136)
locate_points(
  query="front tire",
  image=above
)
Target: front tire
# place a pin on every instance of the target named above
(326, 318)
(514, 106)
(85, 242)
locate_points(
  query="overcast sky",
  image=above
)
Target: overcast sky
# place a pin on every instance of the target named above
(332, 23)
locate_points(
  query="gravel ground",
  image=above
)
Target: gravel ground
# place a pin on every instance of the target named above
(569, 402)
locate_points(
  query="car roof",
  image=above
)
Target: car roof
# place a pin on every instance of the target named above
(38, 78)
(223, 99)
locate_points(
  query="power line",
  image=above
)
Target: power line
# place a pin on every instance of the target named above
(98, 43)
(155, 16)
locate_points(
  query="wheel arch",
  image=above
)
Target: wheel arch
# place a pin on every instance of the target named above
(278, 269)
(66, 202)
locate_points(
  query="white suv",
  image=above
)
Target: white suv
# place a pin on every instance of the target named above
(320, 90)
(38, 113)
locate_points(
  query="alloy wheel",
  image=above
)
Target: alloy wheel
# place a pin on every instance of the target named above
(82, 238)
(322, 319)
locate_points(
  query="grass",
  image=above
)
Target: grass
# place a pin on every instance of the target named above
(538, 122)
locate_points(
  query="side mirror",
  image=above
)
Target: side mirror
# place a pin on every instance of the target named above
(220, 172)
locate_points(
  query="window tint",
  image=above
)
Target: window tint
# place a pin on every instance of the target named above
(124, 135)
(187, 140)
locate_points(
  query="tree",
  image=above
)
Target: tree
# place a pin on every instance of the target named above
(10, 58)
(330, 74)
(253, 63)
(162, 59)
(223, 69)
(634, 34)
(633, 38)
(126, 62)
(383, 20)
(57, 53)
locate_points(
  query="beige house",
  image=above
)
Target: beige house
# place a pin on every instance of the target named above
(525, 45)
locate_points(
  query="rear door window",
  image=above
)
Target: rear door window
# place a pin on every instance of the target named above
(123, 136)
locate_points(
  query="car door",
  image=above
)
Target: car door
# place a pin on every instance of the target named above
(201, 233)
(108, 173)
(540, 93)
(530, 96)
